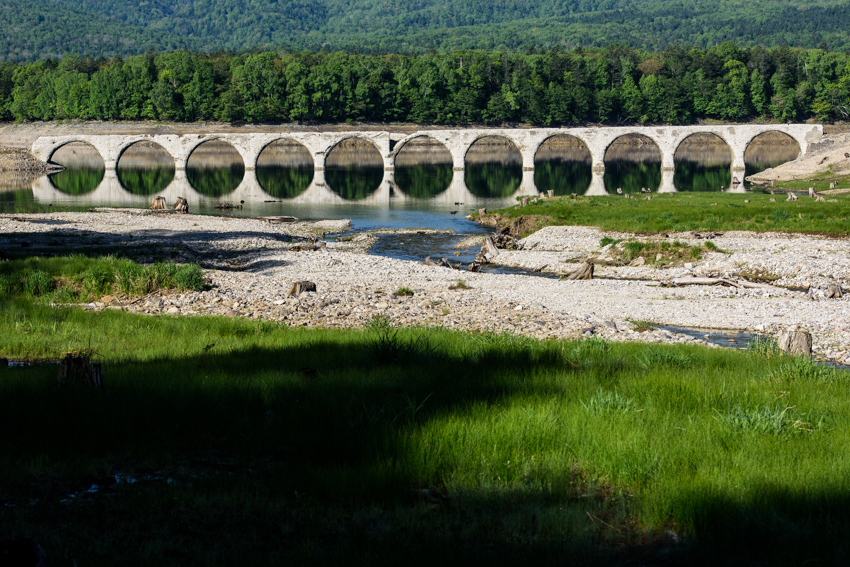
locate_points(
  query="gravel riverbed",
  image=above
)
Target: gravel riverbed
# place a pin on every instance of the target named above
(251, 266)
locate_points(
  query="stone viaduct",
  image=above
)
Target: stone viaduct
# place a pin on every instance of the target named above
(456, 141)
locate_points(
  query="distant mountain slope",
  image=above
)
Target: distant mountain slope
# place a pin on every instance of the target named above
(44, 28)
(34, 29)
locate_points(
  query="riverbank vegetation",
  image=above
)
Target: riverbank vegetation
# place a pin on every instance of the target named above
(76, 278)
(614, 85)
(682, 212)
(222, 441)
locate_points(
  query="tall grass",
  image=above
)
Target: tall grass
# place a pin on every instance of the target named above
(79, 278)
(315, 446)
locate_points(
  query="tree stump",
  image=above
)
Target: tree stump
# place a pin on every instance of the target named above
(833, 291)
(524, 201)
(584, 272)
(181, 205)
(772, 183)
(551, 193)
(490, 247)
(791, 197)
(300, 287)
(819, 198)
(812, 192)
(77, 367)
(796, 343)
(832, 185)
(158, 203)
(482, 212)
(619, 190)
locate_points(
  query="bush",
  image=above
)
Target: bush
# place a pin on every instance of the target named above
(191, 277)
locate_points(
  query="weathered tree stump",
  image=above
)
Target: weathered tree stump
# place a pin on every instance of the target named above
(524, 201)
(158, 204)
(181, 205)
(819, 198)
(482, 212)
(833, 291)
(619, 190)
(551, 193)
(791, 197)
(77, 367)
(812, 192)
(300, 287)
(772, 183)
(584, 272)
(832, 185)
(649, 197)
(796, 343)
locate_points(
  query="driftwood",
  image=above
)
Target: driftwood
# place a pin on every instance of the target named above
(77, 367)
(278, 220)
(227, 206)
(158, 203)
(833, 291)
(443, 263)
(584, 272)
(300, 287)
(741, 284)
(797, 343)
(181, 205)
(309, 246)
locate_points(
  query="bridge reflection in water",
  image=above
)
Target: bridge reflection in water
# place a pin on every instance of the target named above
(110, 192)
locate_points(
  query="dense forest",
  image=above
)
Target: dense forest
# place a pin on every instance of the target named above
(39, 29)
(616, 84)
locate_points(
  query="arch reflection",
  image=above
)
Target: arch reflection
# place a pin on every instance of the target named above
(423, 168)
(215, 168)
(493, 168)
(632, 161)
(769, 149)
(354, 169)
(563, 164)
(145, 168)
(703, 162)
(285, 169)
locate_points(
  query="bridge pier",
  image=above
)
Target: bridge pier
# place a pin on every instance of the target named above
(667, 185)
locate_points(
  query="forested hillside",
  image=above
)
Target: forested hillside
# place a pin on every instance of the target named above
(37, 29)
(614, 85)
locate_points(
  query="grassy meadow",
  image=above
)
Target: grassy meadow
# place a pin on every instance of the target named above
(220, 441)
(682, 212)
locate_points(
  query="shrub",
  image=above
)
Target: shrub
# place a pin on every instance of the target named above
(191, 277)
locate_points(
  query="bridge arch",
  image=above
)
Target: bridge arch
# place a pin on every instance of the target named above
(341, 140)
(400, 145)
(784, 148)
(474, 140)
(703, 162)
(70, 142)
(283, 138)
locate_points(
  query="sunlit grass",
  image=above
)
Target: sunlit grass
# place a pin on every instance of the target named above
(682, 212)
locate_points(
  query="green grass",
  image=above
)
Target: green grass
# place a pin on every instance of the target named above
(78, 278)
(253, 443)
(682, 212)
(404, 290)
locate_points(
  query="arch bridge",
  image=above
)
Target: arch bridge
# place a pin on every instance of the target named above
(457, 142)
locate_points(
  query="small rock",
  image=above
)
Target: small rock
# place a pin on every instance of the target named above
(689, 265)
(381, 305)
(173, 310)
(232, 313)
(107, 299)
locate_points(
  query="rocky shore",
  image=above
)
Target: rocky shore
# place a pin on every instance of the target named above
(251, 266)
(21, 160)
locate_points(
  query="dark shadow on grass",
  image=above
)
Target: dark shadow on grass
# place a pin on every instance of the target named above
(301, 454)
